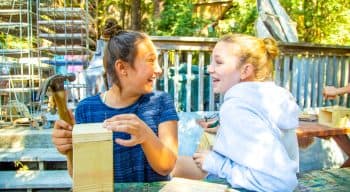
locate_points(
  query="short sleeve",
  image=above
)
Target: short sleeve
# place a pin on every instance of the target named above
(168, 112)
(79, 115)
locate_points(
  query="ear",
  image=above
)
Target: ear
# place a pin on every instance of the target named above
(247, 72)
(121, 68)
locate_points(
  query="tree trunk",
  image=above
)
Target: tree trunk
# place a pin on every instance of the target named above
(122, 14)
(157, 4)
(136, 15)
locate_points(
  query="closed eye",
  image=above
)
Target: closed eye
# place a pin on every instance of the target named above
(218, 61)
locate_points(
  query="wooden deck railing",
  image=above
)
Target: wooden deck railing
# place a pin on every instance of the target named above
(304, 69)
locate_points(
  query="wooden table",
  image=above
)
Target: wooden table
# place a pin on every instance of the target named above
(308, 130)
(212, 185)
(316, 180)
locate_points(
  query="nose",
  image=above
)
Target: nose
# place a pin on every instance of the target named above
(157, 69)
(211, 68)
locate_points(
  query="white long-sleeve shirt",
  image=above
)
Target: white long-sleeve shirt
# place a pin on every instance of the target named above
(249, 151)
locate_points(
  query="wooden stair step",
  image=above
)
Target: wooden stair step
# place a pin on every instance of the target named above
(25, 137)
(35, 180)
(30, 154)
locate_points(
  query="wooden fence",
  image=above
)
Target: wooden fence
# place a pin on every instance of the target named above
(304, 69)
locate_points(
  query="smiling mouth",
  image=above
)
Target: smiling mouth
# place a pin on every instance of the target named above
(215, 80)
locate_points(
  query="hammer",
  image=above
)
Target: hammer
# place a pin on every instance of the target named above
(55, 85)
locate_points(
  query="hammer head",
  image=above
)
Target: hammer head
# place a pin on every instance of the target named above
(55, 83)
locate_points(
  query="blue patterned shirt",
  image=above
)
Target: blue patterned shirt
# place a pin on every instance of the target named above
(130, 163)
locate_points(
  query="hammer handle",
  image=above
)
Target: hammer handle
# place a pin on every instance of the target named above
(62, 109)
(61, 103)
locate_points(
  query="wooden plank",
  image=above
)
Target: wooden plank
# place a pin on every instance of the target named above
(320, 83)
(343, 80)
(313, 129)
(201, 82)
(184, 43)
(52, 180)
(294, 77)
(314, 81)
(277, 76)
(307, 98)
(336, 77)
(285, 81)
(211, 92)
(316, 49)
(335, 71)
(300, 81)
(188, 82)
(304, 82)
(176, 79)
(288, 26)
(165, 71)
(92, 158)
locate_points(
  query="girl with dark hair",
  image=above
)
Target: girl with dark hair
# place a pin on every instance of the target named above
(143, 121)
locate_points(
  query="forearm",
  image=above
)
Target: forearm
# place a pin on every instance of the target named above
(221, 166)
(343, 90)
(213, 163)
(186, 168)
(161, 158)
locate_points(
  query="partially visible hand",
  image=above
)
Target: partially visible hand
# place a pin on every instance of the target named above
(62, 135)
(128, 123)
(207, 125)
(199, 158)
(330, 92)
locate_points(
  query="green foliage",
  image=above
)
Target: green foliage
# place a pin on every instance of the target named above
(177, 19)
(318, 21)
(240, 18)
(147, 17)
(104, 9)
(321, 21)
(14, 42)
(2, 40)
(117, 8)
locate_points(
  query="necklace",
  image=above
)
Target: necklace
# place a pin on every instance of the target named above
(104, 97)
(135, 104)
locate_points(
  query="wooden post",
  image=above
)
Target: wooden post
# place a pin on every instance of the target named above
(92, 158)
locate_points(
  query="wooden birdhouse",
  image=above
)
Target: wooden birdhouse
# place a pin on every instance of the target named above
(92, 158)
(334, 116)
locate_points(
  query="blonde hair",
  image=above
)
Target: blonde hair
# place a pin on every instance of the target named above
(256, 51)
